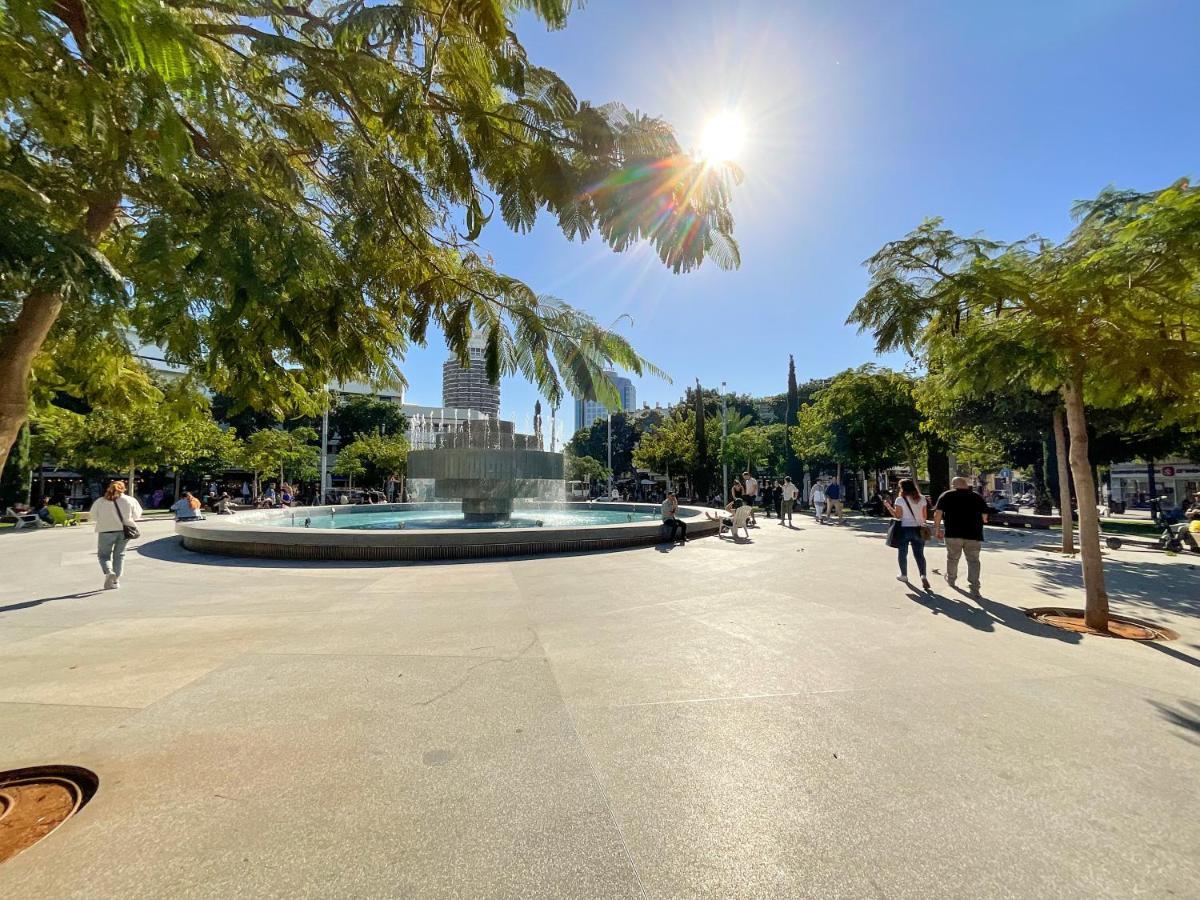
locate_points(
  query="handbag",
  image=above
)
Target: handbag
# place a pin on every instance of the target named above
(924, 530)
(893, 534)
(127, 528)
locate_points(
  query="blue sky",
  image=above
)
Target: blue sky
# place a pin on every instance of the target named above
(864, 118)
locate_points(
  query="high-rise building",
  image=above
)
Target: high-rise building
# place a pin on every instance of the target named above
(588, 411)
(469, 388)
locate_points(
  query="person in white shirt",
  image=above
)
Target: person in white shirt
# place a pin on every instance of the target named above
(112, 513)
(670, 518)
(787, 500)
(750, 493)
(911, 509)
(817, 497)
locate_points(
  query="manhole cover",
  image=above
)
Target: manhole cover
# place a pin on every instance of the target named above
(1118, 626)
(33, 802)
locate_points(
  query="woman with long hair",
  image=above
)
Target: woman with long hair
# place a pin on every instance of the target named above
(186, 507)
(912, 510)
(112, 513)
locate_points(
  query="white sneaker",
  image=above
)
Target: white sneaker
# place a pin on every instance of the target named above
(110, 582)
(902, 578)
(116, 583)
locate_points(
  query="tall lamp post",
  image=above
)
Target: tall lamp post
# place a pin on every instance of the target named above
(724, 435)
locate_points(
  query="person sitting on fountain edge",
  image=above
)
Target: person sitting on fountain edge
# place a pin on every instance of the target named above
(670, 509)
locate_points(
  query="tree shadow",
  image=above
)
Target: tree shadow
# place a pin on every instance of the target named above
(1170, 651)
(1186, 717)
(1147, 584)
(28, 604)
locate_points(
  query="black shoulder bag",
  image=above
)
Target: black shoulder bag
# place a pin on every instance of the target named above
(128, 528)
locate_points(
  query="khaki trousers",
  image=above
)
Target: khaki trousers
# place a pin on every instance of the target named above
(955, 548)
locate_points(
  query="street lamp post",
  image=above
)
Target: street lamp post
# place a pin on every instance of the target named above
(610, 471)
(724, 435)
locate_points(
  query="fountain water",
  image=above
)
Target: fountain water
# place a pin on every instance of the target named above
(487, 466)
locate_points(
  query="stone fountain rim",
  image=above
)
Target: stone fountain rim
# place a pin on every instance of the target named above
(256, 537)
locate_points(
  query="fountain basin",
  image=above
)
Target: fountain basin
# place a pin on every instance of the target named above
(445, 534)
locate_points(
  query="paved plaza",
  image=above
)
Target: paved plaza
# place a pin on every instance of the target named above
(775, 719)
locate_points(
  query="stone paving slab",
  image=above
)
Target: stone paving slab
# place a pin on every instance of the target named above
(652, 722)
(416, 777)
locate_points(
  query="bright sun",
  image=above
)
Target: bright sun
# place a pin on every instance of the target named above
(723, 137)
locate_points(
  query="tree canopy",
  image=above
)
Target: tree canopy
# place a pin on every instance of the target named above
(865, 418)
(1106, 318)
(288, 195)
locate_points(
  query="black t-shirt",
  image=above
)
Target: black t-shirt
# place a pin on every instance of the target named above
(962, 513)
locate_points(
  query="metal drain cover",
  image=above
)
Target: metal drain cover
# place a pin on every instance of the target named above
(33, 802)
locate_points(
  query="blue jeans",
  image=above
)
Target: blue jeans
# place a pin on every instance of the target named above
(111, 546)
(911, 536)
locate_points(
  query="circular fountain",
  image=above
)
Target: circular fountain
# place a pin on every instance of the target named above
(479, 490)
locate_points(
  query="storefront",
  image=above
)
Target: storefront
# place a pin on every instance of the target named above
(1175, 479)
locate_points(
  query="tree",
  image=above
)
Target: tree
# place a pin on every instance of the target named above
(379, 455)
(700, 469)
(349, 464)
(790, 419)
(866, 418)
(17, 474)
(366, 415)
(593, 442)
(1106, 318)
(670, 446)
(750, 447)
(275, 450)
(173, 427)
(990, 425)
(584, 468)
(288, 195)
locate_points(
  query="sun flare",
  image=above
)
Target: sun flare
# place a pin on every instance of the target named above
(723, 138)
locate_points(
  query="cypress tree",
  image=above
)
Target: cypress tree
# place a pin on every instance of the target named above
(790, 419)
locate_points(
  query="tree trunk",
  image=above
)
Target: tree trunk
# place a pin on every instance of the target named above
(130, 488)
(1064, 484)
(1096, 598)
(18, 347)
(911, 458)
(23, 339)
(939, 465)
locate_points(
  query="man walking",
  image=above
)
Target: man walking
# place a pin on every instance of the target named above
(817, 497)
(750, 493)
(787, 500)
(958, 517)
(833, 501)
(670, 507)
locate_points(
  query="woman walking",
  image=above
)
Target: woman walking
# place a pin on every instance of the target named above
(911, 509)
(113, 513)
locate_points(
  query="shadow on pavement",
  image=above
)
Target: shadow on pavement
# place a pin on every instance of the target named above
(985, 614)
(1187, 717)
(1168, 650)
(1147, 585)
(31, 603)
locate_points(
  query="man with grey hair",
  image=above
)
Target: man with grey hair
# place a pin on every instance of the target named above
(958, 517)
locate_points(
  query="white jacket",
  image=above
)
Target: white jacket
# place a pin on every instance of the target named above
(104, 513)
